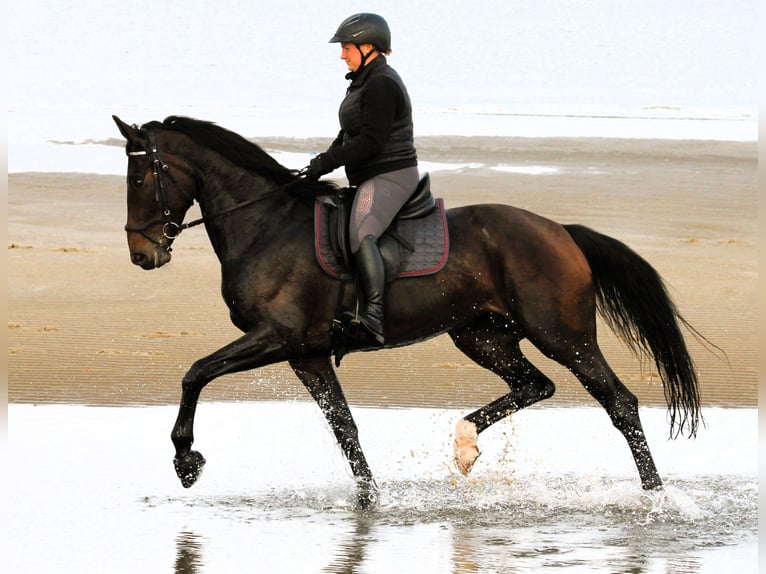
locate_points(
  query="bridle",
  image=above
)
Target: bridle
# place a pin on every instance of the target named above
(170, 229)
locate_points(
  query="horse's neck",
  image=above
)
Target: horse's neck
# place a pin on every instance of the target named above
(236, 212)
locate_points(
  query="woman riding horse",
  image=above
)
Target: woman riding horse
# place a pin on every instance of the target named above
(376, 146)
(510, 275)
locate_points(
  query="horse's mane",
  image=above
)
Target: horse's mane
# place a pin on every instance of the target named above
(243, 153)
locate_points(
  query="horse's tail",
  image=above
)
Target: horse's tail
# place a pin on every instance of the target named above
(632, 298)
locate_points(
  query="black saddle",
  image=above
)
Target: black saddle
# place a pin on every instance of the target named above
(409, 247)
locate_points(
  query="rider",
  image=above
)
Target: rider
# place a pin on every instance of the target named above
(376, 146)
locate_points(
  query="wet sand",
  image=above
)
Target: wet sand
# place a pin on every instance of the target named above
(86, 326)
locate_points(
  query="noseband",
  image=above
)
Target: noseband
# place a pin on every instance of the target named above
(170, 229)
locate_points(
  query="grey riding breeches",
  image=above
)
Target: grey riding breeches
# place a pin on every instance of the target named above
(377, 202)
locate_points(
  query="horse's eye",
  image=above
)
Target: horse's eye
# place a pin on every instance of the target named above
(136, 181)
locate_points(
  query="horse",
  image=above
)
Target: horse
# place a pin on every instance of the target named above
(511, 275)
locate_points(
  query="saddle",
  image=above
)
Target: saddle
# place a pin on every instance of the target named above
(415, 244)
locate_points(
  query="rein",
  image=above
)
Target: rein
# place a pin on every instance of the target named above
(171, 229)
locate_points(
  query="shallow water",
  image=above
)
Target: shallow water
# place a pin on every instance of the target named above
(93, 490)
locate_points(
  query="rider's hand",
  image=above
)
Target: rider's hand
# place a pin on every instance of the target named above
(320, 165)
(306, 173)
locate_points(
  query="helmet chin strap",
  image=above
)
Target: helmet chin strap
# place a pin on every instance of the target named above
(365, 57)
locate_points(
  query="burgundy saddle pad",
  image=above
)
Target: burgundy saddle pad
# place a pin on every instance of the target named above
(428, 235)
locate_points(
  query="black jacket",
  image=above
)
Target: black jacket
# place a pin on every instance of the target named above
(376, 133)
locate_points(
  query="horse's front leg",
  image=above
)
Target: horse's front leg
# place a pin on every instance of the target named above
(321, 381)
(245, 353)
(188, 463)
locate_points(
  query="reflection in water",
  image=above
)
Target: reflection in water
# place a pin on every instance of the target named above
(593, 545)
(350, 553)
(684, 565)
(188, 553)
(434, 526)
(463, 551)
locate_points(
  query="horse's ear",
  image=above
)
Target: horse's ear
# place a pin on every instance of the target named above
(129, 132)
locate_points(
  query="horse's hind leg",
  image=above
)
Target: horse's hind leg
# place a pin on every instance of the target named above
(493, 345)
(578, 351)
(321, 381)
(575, 347)
(622, 406)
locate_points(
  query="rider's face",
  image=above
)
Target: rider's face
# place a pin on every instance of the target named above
(352, 55)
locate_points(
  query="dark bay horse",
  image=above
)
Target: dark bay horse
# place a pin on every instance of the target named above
(511, 275)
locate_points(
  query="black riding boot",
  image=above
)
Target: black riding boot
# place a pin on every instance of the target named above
(372, 276)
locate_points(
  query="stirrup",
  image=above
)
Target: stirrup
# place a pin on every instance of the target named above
(371, 336)
(355, 327)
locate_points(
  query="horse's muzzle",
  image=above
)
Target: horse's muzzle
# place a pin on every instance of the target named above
(154, 259)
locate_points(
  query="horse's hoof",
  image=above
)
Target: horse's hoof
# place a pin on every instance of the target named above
(466, 451)
(189, 467)
(367, 495)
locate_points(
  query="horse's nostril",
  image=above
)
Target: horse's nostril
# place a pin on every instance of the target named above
(137, 258)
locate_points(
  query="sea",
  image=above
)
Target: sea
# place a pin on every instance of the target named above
(92, 488)
(670, 69)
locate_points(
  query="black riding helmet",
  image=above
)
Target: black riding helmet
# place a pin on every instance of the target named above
(364, 28)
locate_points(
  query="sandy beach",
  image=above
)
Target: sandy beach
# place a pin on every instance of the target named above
(86, 326)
